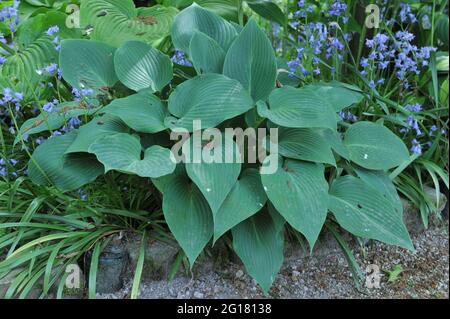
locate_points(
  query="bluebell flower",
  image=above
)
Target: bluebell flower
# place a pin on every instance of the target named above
(416, 148)
(406, 14)
(179, 57)
(52, 30)
(83, 195)
(2, 60)
(414, 107)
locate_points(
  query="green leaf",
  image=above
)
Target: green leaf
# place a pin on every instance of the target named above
(218, 171)
(139, 66)
(33, 28)
(381, 183)
(373, 146)
(304, 144)
(340, 95)
(87, 64)
(298, 108)
(211, 98)
(251, 61)
(50, 166)
(194, 19)
(367, 213)
(54, 120)
(188, 216)
(206, 54)
(299, 191)
(259, 243)
(96, 128)
(143, 112)
(247, 197)
(122, 152)
(334, 139)
(269, 10)
(118, 21)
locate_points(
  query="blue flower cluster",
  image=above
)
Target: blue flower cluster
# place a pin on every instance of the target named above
(318, 39)
(4, 163)
(179, 57)
(406, 58)
(10, 15)
(51, 32)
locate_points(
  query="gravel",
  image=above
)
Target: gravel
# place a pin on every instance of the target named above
(324, 275)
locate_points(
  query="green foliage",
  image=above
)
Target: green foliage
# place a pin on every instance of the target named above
(330, 172)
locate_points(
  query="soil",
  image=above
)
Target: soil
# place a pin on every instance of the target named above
(324, 275)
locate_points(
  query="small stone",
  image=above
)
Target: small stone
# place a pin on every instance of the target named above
(198, 295)
(239, 274)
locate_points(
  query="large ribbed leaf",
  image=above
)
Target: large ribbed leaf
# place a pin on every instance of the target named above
(298, 108)
(299, 191)
(96, 128)
(268, 9)
(122, 152)
(52, 121)
(251, 61)
(304, 144)
(188, 216)
(259, 243)
(339, 95)
(246, 198)
(381, 182)
(335, 140)
(227, 9)
(88, 64)
(118, 21)
(218, 170)
(373, 146)
(211, 98)
(50, 166)
(194, 19)
(139, 66)
(206, 54)
(19, 70)
(143, 112)
(364, 212)
(36, 51)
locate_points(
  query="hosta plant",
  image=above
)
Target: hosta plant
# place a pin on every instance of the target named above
(328, 172)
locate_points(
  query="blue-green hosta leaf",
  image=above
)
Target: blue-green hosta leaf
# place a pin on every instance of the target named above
(139, 66)
(259, 243)
(247, 197)
(304, 144)
(206, 54)
(218, 171)
(334, 139)
(50, 166)
(339, 95)
(194, 19)
(188, 216)
(143, 112)
(52, 121)
(211, 98)
(269, 10)
(122, 152)
(118, 21)
(381, 182)
(87, 64)
(96, 128)
(374, 146)
(298, 108)
(367, 213)
(299, 192)
(251, 61)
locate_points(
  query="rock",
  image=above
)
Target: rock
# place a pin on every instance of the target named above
(198, 295)
(239, 274)
(431, 194)
(159, 256)
(112, 265)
